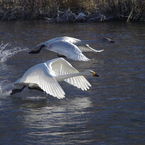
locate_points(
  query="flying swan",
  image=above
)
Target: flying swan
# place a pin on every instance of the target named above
(69, 47)
(45, 77)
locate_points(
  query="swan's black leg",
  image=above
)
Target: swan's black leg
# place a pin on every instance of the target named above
(14, 91)
(60, 55)
(36, 88)
(36, 51)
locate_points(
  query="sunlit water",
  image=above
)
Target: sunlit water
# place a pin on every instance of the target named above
(111, 112)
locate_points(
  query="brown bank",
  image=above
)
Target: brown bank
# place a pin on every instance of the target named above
(73, 10)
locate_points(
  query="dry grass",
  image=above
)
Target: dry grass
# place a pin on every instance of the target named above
(123, 9)
(95, 10)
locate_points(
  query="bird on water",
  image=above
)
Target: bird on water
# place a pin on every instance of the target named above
(69, 47)
(45, 77)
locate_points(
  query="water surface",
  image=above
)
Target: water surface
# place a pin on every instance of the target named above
(110, 113)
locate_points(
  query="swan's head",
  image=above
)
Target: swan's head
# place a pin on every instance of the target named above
(107, 40)
(91, 73)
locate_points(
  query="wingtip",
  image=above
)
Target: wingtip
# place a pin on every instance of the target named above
(99, 50)
(81, 59)
(60, 97)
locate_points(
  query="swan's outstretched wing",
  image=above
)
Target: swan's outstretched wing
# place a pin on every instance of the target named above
(79, 82)
(67, 49)
(62, 67)
(41, 75)
(87, 48)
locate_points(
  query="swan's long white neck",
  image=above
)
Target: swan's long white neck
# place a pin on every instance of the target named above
(63, 77)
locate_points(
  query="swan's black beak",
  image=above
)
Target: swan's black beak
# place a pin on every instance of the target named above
(111, 41)
(95, 74)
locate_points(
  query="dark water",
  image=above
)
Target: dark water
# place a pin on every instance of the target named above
(111, 112)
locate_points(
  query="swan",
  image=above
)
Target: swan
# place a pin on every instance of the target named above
(45, 77)
(69, 47)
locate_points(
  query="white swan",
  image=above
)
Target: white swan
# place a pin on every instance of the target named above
(45, 76)
(69, 47)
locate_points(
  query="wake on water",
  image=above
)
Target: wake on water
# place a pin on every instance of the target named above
(5, 85)
(5, 88)
(6, 52)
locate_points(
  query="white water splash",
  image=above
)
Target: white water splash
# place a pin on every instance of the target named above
(6, 53)
(5, 88)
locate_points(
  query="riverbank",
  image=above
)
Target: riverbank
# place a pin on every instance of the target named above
(73, 10)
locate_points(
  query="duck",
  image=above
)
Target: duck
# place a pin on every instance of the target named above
(46, 76)
(68, 47)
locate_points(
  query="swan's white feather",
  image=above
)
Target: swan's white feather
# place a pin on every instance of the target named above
(46, 76)
(41, 76)
(63, 38)
(71, 47)
(63, 67)
(67, 49)
(87, 48)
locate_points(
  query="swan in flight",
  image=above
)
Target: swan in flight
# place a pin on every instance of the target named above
(69, 47)
(45, 77)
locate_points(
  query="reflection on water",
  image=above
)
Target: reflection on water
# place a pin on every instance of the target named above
(111, 112)
(54, 115)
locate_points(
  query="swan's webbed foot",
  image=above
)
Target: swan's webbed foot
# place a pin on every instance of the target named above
(34, 52)
(14, 91)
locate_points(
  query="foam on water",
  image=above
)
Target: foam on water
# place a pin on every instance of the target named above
(5, 88)
(6, 52)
